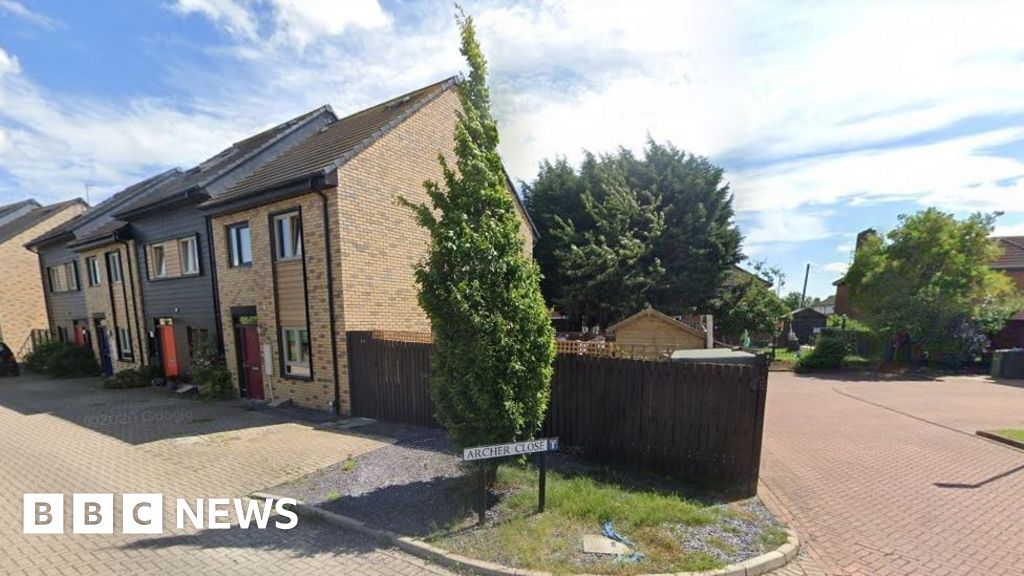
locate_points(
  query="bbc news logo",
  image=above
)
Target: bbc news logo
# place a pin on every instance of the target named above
(144, 513)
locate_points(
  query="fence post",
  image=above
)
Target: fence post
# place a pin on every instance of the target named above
(760, 377)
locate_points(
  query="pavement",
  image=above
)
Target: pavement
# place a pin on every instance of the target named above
(886, 477)
(71, 436)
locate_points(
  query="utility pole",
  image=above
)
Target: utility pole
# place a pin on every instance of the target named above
(803, 295)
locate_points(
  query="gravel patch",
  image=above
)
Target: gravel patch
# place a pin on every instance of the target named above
(736, 536)
(413, 486)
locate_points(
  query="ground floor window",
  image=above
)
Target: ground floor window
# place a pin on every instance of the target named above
(296, 351)
(124, 344)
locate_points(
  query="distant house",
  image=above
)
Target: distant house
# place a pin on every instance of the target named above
(650, 333)
(22, 304)
(826, 306)
(1011, 262)
(842, 299)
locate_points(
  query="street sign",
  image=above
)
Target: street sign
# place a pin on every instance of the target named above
(540, 447)
(512, 449)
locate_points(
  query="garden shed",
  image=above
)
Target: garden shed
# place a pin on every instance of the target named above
(806, 323)
(651, 333)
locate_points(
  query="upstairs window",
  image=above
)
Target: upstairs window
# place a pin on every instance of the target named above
(287, 236)
(92, 266)
(114, 266)
(159, 262)
(189, 252)
(71, 270)
(239, 245)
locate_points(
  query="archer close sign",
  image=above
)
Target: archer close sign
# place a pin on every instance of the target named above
(513, 449)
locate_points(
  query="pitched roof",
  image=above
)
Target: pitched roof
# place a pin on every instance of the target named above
(222, 162)
(1013, 253)
(15, 206)
(652, 313)
(26, 221)
(104, 208)
(332, 146)
(736, 272)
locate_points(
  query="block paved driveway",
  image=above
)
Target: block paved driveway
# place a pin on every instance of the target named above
(887, 478)
(72, 436)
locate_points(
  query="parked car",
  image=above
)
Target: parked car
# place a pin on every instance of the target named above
(8, 365)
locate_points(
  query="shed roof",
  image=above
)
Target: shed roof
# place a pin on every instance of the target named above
(652, 313)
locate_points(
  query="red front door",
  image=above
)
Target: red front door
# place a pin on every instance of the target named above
(79, 336)
(252, 370)
(168, 351)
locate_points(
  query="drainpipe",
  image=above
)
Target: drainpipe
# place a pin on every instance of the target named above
(219, 329)
(330, 302)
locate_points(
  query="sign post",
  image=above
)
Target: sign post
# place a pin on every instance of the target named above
(481, 453)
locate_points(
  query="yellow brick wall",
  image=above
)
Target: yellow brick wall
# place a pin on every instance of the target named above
(254, 286)
(114, 302)
(23, 307)
(381, 241)
(652, 335)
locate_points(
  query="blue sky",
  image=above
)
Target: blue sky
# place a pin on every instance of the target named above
(829, 117)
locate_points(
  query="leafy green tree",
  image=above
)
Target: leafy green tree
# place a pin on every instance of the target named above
(610, 266)
(748, 305)
(792, 300)
(494, 341)
(930, 279)
(683, 211)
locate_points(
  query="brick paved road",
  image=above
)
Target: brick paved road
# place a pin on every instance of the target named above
(67, 436)
(883, 478)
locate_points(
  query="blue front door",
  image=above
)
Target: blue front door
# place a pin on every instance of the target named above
(104, 344)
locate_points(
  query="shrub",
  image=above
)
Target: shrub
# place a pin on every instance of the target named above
(216, 384)
(131, 378)
(828, 353)
(36, 359)
(69, 361)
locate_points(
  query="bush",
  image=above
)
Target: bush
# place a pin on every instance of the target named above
(36, 359)
(69, 361)
(216, 384)
(828, 354)
(131, 378)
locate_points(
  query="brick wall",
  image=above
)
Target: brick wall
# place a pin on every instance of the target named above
(23, 307)
(119, 304)
(254, 286)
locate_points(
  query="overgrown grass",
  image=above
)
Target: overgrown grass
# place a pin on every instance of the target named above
(576, 506)
(1012, 433)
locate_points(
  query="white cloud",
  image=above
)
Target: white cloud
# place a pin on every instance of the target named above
(837, 267)
(8, 64)
(1009, 230)
(303, 21)
(20, 10)
(845, 248)
(229, 14)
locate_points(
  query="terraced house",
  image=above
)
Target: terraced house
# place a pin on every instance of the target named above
(91, 286)
(313, 244)
(22, 301)
(172, 243)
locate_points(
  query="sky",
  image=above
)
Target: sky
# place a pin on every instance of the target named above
(828, 117)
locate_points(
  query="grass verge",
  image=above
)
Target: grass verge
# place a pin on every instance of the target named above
(1012, 433)
(672, 533)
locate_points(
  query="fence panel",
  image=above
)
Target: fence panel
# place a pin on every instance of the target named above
(697, 421)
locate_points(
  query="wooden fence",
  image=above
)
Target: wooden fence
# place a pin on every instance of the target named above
(695, 421)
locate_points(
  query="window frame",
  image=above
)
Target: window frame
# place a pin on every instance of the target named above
(235, 245)
(92, 269)
(71, 272)
(114, 265)
(159, 253)
(287, 232)
(188, 247)
(124, 344)
(296, 369)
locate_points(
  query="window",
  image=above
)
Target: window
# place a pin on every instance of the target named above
(51, 276)
(240, 245)
(71, 270)
(189, 256)
(159, 262)
(124, 343)
(92, 266)
(114, 266)
(296, 351)
(288, 236)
